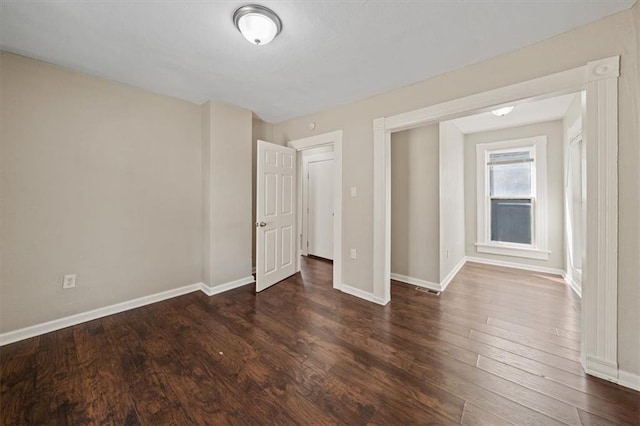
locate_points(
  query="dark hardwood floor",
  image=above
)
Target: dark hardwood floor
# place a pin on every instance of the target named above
(499, 346)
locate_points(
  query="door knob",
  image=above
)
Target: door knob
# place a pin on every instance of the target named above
(261, 224)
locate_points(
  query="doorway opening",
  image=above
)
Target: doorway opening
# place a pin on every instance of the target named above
(599, 80)
(503, 191)
(506, 190)
(316, 231)
(319, 203)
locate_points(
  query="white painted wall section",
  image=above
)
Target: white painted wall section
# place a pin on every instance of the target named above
(452, 206)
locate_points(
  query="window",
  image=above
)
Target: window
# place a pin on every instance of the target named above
(511, 195)
(512, 198)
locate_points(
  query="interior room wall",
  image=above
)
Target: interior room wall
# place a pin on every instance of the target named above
(555, 189)
(575, 111)
(415, 211)
(263, 131)
(226, 198)
(452, 202)
(98, 179)
(614, 35)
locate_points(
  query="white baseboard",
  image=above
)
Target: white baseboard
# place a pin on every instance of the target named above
(49, 326)
(211, 291)
(370, 297)
(629, 380)
(416, 281)
(602, 369)
(515, 265)
(572, 284)
(609, 371)
(453, 273)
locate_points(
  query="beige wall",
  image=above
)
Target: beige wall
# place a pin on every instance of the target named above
(555, 189)
(452, 202)
(615, 35)
(206, 185)
(98, 179)
(415, 212)
(226, 148)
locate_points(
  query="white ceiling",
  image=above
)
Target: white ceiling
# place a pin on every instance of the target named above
(329, 52)
(524, 113)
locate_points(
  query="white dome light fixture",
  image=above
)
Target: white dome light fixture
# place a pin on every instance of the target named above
(501, 112)
(257, 24)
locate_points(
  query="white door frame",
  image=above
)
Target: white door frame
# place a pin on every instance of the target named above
(599, 79)
(306, 160)
(335, 139)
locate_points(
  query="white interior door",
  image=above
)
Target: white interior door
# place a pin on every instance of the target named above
(320, 208)
(275, 216)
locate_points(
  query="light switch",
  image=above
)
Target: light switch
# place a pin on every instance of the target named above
(354, 191)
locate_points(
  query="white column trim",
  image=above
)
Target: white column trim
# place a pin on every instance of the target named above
(381, 211)
(600, 279)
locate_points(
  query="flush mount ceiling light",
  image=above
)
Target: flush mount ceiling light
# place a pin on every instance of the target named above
(501, 112)
(257, 24)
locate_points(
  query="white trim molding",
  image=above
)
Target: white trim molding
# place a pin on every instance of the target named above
(600, 278)
(515, 265)
(368, 296)
(568, 277)
(428, 284)
(416, 281)
(451, 275)
(602, 369)
(599, 79)
(58, 324)
(529, 253)
(381, 210)
(629, 380)
(332, 138)
(217, 289)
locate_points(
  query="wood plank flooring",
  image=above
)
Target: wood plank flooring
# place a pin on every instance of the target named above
(499, 346)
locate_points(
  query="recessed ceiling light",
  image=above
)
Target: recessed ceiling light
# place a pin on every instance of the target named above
(501, 112)
(257, 24)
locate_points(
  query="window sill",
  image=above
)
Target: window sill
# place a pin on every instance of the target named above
(529, 253)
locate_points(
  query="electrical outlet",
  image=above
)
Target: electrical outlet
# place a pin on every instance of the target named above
(354, 254)
(447, 253)
(69, 281)
(354, 191)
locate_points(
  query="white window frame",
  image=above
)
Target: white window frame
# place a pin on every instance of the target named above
(538, 249)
